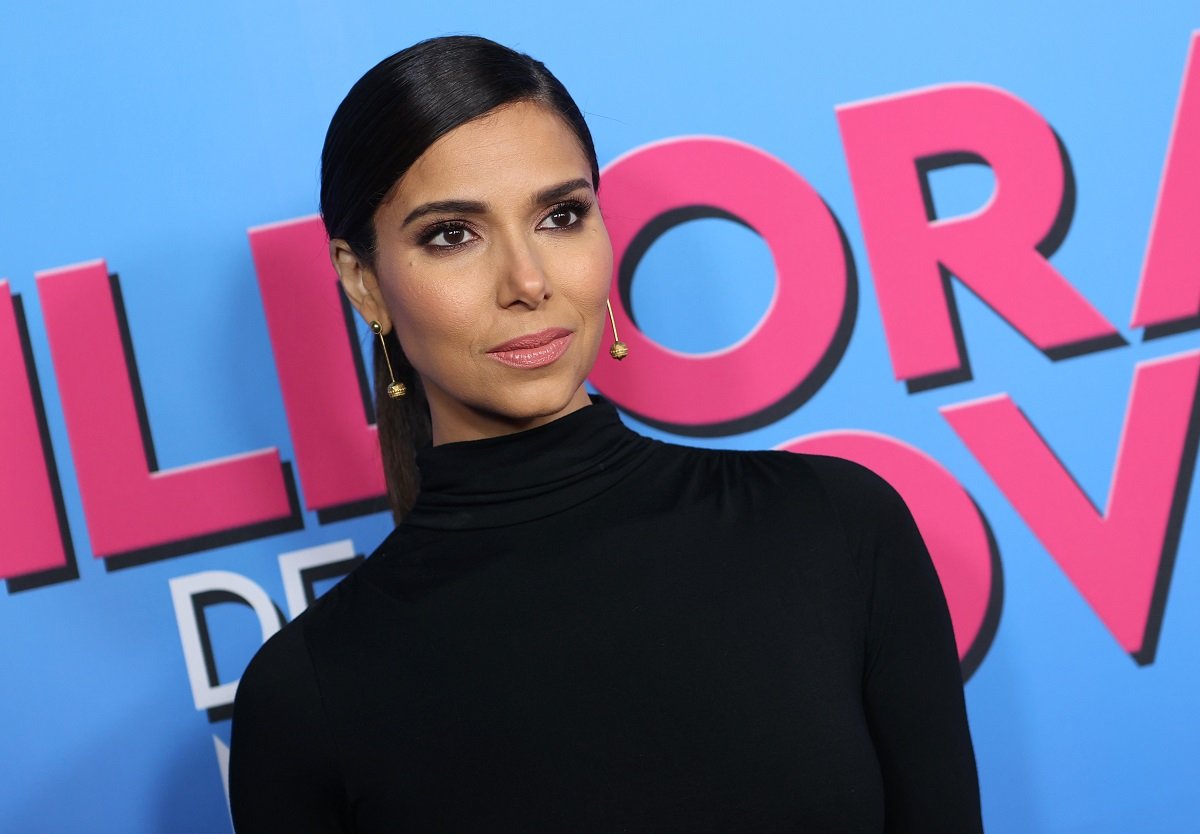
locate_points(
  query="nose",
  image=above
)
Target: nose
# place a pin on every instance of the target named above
(522, 276)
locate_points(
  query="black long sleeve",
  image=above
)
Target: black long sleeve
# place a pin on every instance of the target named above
(912, 691)
(285, 771)
(580, 629)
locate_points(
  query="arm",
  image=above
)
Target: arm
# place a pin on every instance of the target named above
(282, 766)
(912, 686)
(912, 682)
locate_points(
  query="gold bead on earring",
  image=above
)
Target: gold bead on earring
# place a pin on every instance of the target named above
(619, 349)
(397, 389)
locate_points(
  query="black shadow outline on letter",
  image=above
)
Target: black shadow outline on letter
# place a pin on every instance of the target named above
(200, 602)
(1049, 244)
(141, 556)
(69, 571)
(995, 605)
(1170, 328)
(374, 504)
(309, 577)
(1171, 536)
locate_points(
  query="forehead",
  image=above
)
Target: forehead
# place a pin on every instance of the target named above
(512, 151)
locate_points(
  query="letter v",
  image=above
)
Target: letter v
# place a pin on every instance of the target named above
(1121, 560)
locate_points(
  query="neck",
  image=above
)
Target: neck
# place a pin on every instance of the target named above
(508, 479)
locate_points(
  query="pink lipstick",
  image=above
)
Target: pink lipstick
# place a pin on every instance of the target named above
(533, 351)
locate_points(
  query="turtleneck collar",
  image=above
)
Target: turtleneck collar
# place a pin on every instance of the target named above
(519, 477)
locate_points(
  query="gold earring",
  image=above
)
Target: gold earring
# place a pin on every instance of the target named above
(619, 349)
(397, 389)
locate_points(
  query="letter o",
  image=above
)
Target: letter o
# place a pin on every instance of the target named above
(790, 353)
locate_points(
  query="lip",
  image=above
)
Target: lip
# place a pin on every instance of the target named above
(535, 350)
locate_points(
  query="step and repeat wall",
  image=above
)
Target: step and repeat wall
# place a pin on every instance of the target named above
(958, 245)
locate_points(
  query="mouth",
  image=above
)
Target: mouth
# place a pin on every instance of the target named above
(535, 350)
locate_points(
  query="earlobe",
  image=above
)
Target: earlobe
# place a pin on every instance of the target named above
(359, 283)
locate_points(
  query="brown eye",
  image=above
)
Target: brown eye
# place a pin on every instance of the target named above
(560, 219)
(451, 236)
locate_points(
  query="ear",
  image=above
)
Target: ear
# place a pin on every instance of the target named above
(359, 283)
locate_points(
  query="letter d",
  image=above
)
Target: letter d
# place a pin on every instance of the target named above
(192, 594)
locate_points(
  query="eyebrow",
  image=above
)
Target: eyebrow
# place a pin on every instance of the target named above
(546, 195)
(557, 192)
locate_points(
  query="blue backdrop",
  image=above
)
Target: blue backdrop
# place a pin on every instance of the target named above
(155, 139)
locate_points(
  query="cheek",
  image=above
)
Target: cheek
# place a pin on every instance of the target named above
(592, 268)
(605, 277)
(427, 309)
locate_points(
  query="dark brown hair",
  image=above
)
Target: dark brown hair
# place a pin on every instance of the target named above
(387, 120)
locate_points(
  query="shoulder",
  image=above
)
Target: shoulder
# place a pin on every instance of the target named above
(284, 768)
(284, 665)
(868, 509)
(849, 485)
(277, 693)
(843, 482)
(780, 484)
(279, 705)
(843, 493)
(279, 670)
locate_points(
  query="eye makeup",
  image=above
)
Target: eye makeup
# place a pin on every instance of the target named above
(455, 234)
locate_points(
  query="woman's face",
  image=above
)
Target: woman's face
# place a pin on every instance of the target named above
(493, 264)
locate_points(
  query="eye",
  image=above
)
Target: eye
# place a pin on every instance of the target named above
(562, 217)
(448, 237)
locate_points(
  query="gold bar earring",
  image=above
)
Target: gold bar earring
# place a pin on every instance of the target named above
(396, 389)
(619, 349)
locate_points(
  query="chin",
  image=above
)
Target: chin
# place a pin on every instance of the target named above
(503, 403)
(536, 401)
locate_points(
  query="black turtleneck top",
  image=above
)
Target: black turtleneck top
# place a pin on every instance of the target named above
(579, 629)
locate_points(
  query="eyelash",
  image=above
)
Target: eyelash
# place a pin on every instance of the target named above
(579, 208)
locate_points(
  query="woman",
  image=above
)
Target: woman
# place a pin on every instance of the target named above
(575, 628)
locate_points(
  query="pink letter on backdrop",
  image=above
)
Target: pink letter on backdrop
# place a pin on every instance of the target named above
(998, 251)
(1120, 560)
(952, 526)
(33, 534)
(337, 450)
(134, 512)
(800, 339)
(1168, 298)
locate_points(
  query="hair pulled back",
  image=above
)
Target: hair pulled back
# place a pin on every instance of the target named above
(389, 118)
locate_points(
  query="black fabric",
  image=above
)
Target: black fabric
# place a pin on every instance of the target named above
(580, 629)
